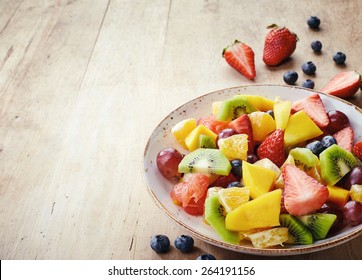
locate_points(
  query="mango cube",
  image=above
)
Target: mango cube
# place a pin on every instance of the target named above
(281, 113)
(261, 103)
(182, 129)
(192, 140)
(338, 196)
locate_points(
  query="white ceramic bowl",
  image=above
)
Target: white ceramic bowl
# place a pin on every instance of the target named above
(160, 187)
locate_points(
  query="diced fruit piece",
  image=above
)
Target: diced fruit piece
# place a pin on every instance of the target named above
(357, 150)
(298, 233)
(234, 107)
(234, 147)
(318, 224)
(343, 85)
(215, 107)
(224, 181)
(182, 129)
(273, 147)
(232, 198)
(242, 125)
(302, 193)
(206, 141)
(279, 184)
(305, 160)
(281, 113)
(353, 213)
(293, 134)
(260, 212)
(192, 140)
(337, 121)
(356, 193)
(195, 208)
(215, 216)
(213, 124)
(236, 168)
(331, 208)
(267, 163)
(261, 103)
(335, 163)
(213, 191)
(258, 179)
(241, 57)
(338, 196)
(263, 124)
(345, 138)
(314, 107)
(268, 238)
(167, 161)
(207, 161)
(351, 178)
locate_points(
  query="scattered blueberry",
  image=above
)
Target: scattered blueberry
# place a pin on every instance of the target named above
(235, 184)
(308, 83)
(184, 243)
(328, 141)
(316, 46)
(290, 77)
(314, 22)
(339, 58)
(270, 112)
(309, 68)
(236, 168)
(316, 147)
(160, 243)
(206, 257)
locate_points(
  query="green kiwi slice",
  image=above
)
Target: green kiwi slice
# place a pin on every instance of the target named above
(233, 108)
(335, 163)
(206, 161)
(298, 232)
(215, 216)
(207, 142)
(318, 224)
(305, 160)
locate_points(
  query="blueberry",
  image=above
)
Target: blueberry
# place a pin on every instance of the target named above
(184, 243)
(236, 168)
(235, 184)
(328, 141)
(308, 84)
(206, 257)
(314, 22)
(309, 68)
(270, 112)
(160, 243)
(339, 58)
(290, 77)
(316, 147)
(252, 158)
(316, 46)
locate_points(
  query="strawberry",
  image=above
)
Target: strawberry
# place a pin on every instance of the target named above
(345, 138)
(279, 44)
(242, 125)
(343, 85)
(314, 108)
(302, 194)
(213, 124)
(241, 57)
(357, 150)
(273, 148)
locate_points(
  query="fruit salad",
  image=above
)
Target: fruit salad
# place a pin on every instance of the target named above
(271, 172)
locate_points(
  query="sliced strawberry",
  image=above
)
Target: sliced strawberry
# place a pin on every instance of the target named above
(343, 85)
(242, 125)
(273, 148)
(345, 138)
(357, 150)
(241, 57)
(302, 194)
(213, 124)
(313, 106)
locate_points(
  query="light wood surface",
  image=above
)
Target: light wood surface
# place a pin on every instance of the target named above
(84, 83)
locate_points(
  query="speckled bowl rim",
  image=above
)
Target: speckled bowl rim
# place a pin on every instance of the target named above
(275, 251)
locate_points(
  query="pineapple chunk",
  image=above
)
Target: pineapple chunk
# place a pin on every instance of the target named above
(192, 140)
(282, 113)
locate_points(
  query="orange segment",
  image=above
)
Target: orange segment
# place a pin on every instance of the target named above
(182, 129)
(269, 238)
(234, 147)
(232, 198)
(263, 124)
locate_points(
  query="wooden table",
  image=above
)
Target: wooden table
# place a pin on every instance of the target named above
(84, 83)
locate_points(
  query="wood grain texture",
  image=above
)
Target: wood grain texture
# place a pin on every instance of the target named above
(84, 83)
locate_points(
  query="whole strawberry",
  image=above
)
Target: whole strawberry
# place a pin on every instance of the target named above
(279, 44)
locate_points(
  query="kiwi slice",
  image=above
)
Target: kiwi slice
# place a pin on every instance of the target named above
(318, 224)
(233, 108)
(206, 161)
(335, 163)
(206, 141)
(215, 216)
(305, 160)
(298, 232)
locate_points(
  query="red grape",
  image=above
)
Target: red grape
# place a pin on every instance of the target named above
(353, 213)
(227, 132)
(168, 160)
(351, 178)
(330, 208)
(337, 121)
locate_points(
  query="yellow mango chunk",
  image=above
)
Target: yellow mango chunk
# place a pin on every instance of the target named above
(261, 212)
(182, 129)
(338, 196)
(259, 102)
(300, 128)
(281, 113)
(192, 140)
(258, 179)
